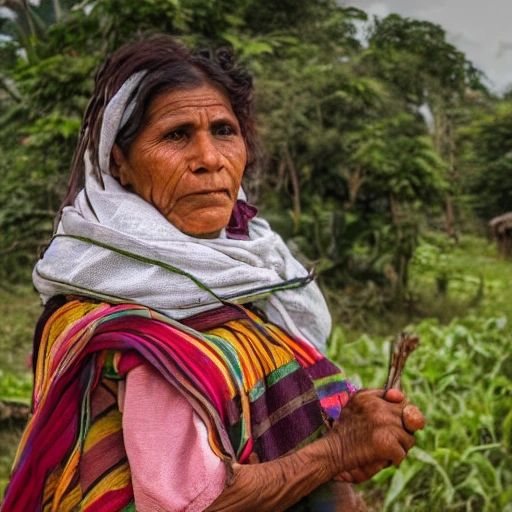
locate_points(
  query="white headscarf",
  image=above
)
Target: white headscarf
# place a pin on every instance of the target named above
(113, 245)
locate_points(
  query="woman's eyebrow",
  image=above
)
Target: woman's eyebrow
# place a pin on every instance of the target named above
(179, 126)
(170, 124)
(224, 121)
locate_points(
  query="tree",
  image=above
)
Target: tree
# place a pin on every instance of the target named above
(428, 72)
(488, 160)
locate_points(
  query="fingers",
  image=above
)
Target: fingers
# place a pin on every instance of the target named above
(391, 395)
(406, 440)
(393, 444)
(412, 419)
(253, 458)
(394, 395)
(344, 476)
(360, 475)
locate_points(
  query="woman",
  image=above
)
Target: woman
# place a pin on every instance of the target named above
(178, 361)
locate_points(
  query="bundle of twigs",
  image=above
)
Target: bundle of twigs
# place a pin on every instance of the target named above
(400, 349)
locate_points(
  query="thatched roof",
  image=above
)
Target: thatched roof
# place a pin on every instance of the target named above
(502, 223)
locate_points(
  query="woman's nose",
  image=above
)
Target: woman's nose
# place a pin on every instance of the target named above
(207, 156)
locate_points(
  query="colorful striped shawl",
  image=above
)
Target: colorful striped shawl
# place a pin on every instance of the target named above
(255, 388)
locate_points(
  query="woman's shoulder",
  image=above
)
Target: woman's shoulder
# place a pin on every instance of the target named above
(52, 315)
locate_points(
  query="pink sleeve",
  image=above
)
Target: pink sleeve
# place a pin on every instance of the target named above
(173, 467)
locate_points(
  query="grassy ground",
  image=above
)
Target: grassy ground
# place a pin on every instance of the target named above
(461, 376)
(19, 309)
(448, 280)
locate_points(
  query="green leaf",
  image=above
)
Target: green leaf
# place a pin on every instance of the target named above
(426, 458)
(400, 480)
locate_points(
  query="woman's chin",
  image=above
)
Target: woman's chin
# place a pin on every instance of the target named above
(203, 225)
(212, 234)
(203, 220)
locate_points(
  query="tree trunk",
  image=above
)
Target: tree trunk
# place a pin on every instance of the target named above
(453, 178)
(401, 261)
(296, 189)
(355, 180)
(450, 218)
(444, 141)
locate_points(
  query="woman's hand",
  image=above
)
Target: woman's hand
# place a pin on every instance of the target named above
(373, 432)
(370, 433)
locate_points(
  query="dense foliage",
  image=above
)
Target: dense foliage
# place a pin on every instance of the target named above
(462, 381)
(364, 141)
(460, 376)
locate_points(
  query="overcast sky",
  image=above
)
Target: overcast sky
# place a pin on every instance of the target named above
(482, 29)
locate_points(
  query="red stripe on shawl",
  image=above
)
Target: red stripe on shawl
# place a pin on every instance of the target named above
(101, 457)
(59, 436)
(129, 361)
(188, 360)
(340, 399)
(170, 340)
(112, 501)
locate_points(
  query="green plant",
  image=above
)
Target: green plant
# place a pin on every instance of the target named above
(461, 378)
(16, 388)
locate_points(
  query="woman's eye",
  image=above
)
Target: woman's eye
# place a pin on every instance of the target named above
(175, 135)
(224, 130)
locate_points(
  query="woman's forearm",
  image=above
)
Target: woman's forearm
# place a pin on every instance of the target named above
(277, 485)
(369, 435)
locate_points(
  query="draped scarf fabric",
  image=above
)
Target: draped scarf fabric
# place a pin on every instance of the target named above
(113, 245)
(255, 388)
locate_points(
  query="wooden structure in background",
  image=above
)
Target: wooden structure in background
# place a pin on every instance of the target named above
(501, 229)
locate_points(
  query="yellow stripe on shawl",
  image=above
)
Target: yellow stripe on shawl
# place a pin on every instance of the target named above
(61, 320)
(49, 489)
(102, 428)
(71, 500)
(108, 383)
(216, 357)
(283, 338)
(117, 479)
(247, 342)
(67, 476)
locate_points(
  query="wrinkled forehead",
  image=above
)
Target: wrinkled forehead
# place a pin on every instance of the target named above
(207, 99)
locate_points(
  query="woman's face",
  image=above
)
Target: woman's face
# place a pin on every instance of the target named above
(188, 161)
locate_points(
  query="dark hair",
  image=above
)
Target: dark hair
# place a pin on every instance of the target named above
(170, 65)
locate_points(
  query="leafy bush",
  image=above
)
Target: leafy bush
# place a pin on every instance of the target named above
(461, 378)
(16, 388)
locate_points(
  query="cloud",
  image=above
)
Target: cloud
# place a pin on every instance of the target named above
(503, 48)
(479, 29)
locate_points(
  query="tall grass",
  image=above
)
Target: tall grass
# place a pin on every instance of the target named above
(449, 280)
(460, 377)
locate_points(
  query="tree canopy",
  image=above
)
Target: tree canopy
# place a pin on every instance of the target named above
(367, 142)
